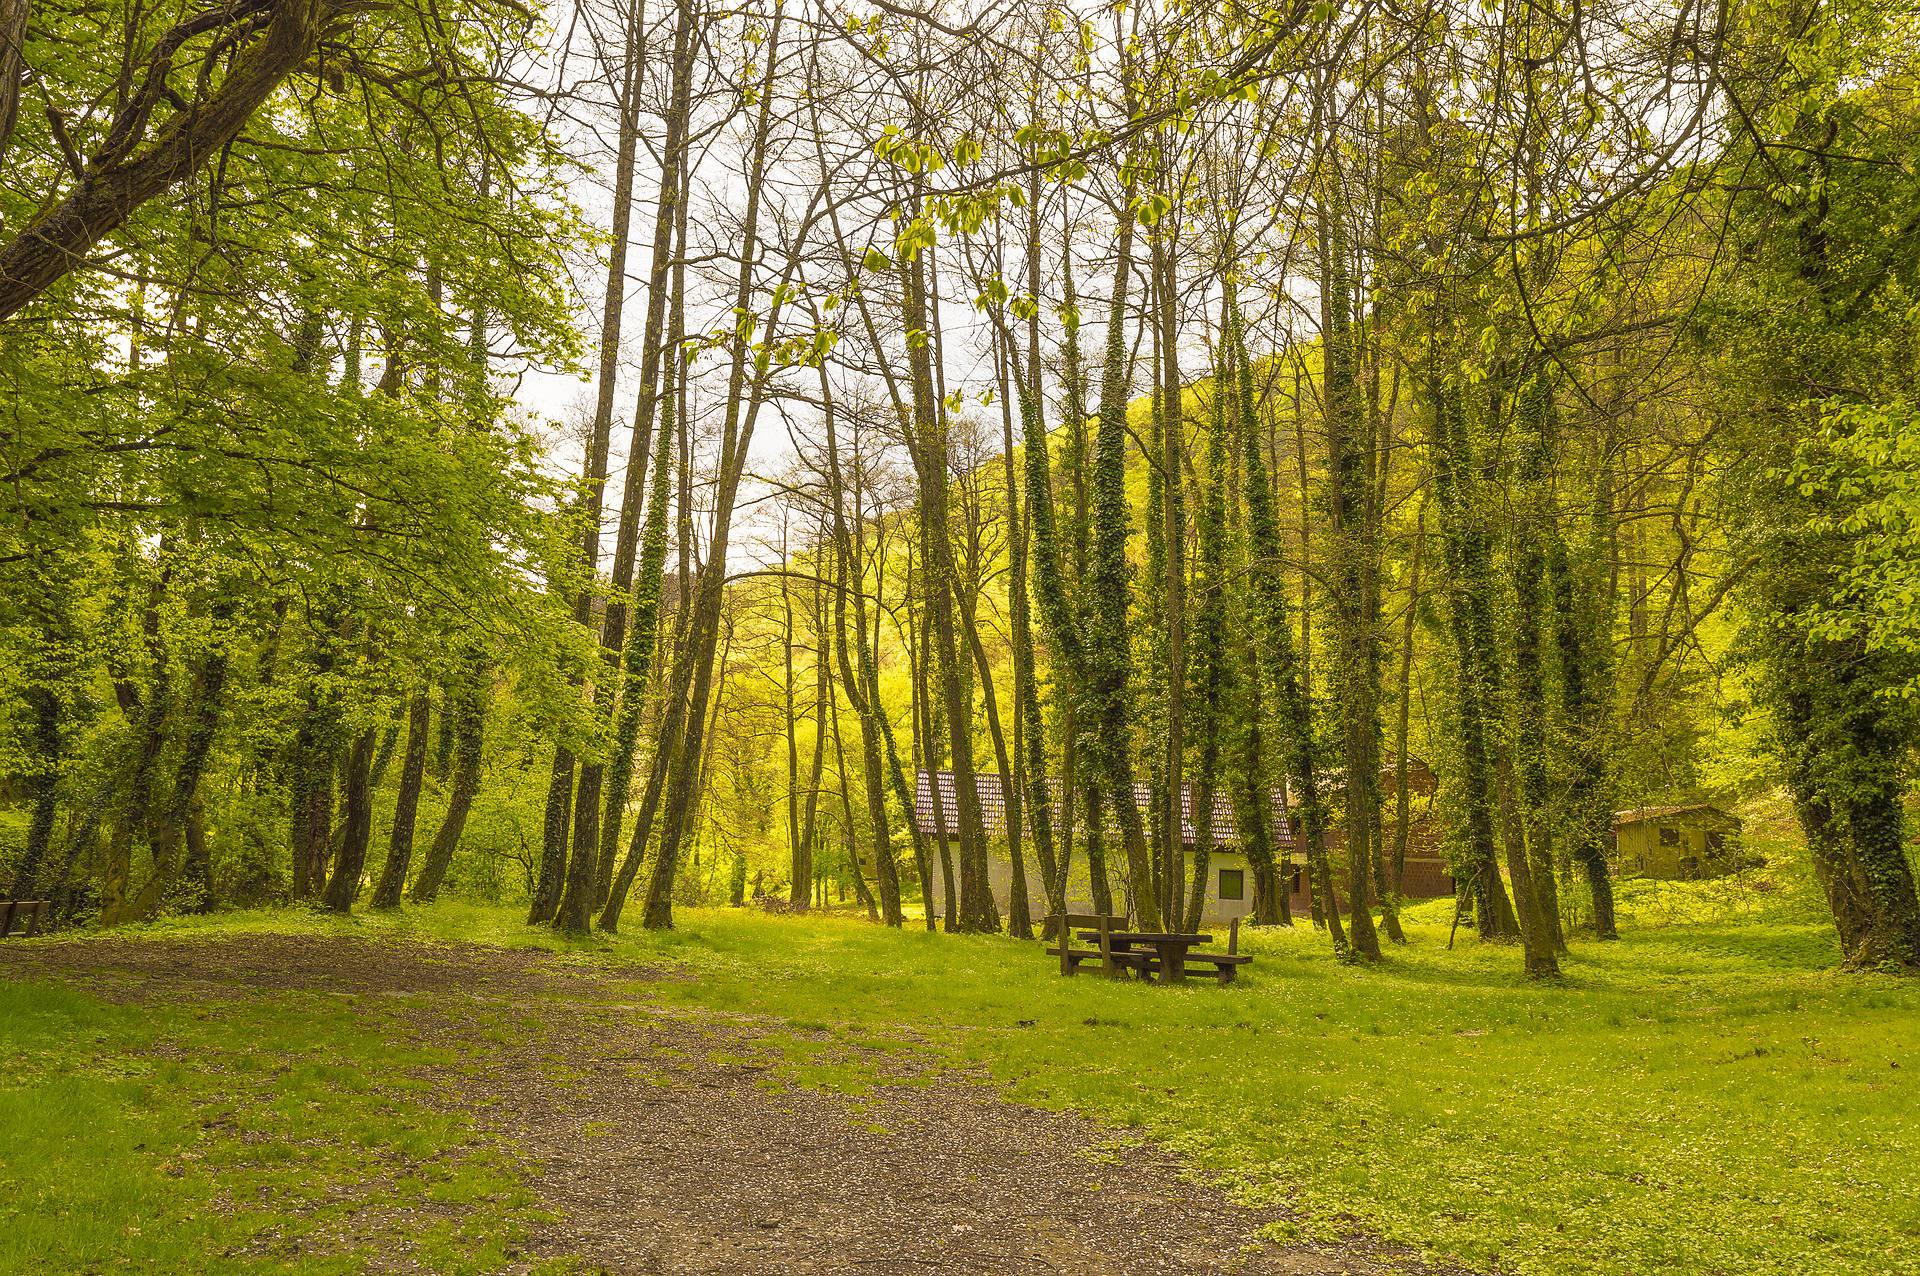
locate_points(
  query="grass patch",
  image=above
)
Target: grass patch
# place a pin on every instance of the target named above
(283, 1133)
(1696, 1098)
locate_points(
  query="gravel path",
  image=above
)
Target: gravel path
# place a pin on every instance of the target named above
(674, 1142)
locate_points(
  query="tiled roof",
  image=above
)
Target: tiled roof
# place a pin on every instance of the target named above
(993, 807)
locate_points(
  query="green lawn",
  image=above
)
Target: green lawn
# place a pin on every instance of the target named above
(188, 1138)
(1706, 1096)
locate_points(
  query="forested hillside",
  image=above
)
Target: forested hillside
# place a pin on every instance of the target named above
(594, 457)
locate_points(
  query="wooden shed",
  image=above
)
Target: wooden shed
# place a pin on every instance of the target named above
(1676, 843)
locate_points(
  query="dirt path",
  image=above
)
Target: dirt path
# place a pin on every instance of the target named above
(674, 1142)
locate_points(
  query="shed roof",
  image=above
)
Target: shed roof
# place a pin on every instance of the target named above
(1686, 810)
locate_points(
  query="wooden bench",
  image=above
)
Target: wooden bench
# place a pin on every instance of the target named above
(1115, 963)
(23, 916)
(1224, 964)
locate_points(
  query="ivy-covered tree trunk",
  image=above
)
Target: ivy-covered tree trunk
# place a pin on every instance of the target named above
(1355, 540)
(1403, 712)
(642, 637)
(1532, 406)
(1109, 745)
(1583, 636)
(1252, 796)
(45, 707)
(1209, 666)
(684, 736)
(167, 834)
(1273, 631)
(1481, 692)
(1817, 388)
(49, 704)
(1465, 552)
(1842, 768)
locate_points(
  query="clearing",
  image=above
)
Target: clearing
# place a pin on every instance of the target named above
(445, 1090)
(649, 1138)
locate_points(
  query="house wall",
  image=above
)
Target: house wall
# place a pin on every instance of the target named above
(1424, 879)
(1215, 911)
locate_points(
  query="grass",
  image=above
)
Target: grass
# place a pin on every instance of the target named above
(230, 1135)
(1708, 1095)
(1698, 1098)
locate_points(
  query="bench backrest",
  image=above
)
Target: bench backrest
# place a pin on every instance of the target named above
(1095, 921)
(1102, 924)
(21, 916)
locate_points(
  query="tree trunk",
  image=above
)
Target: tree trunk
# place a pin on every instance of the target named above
(739, 416)
(822, 698)
(940, 580)
(356, 829)
(1402, 797)
(49, 749)
(1531, 406)
(597, 825)
(1354, 542)
(467, 707)
(851, 582)
(1274, 634)
(1109, 744)
(1466, 553)
(1586, 701)
(413, 769)
(167, 835)
(799, 853)
(1209, 655)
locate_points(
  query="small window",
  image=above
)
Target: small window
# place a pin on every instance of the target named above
(1233, 883)
(1669, 837)
(1716, 842)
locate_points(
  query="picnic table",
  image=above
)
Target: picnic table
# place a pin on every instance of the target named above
(1166, 954)
(1170, 954)
(1168, 947)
